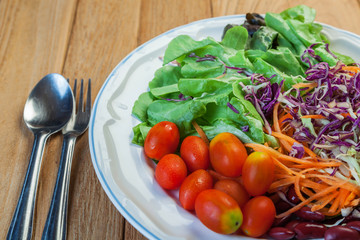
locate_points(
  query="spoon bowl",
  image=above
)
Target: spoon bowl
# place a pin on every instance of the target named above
(47, 110)
(49, 105)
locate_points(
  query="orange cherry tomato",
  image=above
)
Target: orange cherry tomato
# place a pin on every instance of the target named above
(218, 211)
(163, 138)
(195, 153)
(170, 172)
(227, 154)
(259, 214)
(193, 184)
(258, 173)
(234, 189)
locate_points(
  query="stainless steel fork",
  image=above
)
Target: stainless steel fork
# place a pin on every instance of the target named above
(56, 222)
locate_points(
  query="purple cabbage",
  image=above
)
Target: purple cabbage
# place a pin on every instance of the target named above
(264, 95)
(232, 108)
(297, 150)
(336, 97)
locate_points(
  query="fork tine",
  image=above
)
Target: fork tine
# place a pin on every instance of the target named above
(81, 104)
(74, 90)
(88, 99)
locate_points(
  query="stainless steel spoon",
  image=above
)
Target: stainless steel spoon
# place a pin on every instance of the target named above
(47, 110)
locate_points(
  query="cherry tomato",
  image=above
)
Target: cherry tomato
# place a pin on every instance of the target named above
(170, 172)
(193, 184)
(234, 189)
(227, 154)
(259, 214)
(218, 211)
(258, 173)
(195, 153)
(163, 138)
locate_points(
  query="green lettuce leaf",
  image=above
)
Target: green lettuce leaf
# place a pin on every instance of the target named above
(182, 45)
(235, 38)
(165, 81)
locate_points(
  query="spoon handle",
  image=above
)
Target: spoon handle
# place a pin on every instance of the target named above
(22, 221)
(55, 225)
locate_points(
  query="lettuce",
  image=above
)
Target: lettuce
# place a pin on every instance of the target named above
(205, 83)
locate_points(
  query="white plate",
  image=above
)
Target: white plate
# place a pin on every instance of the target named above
(125, 174)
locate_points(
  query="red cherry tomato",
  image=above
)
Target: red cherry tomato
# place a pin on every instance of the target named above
(258, 173)
(234, 189)
(170, 172)
(227, 154)
(195, 153)
(218, 211)
(259, 214)
(163, 138)
(193, 184)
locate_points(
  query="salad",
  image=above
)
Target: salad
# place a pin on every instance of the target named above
(275, 85)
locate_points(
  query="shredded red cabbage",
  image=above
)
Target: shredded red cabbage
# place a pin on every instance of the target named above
(232, 108)
(337, 99)
(245, 128)
(297, 150)
(263, 95)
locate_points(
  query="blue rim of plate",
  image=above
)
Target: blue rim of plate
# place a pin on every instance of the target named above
(125, 213)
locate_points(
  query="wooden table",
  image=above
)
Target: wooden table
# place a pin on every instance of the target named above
(86, 39)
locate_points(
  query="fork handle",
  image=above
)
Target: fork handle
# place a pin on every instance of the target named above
(22, 221)
(56, 222)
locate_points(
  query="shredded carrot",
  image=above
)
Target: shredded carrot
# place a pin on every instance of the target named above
(286, 145)
(344, 194)
(309, 86)
(288, 170)
(317, 116)
(307, 191)
(322, 202)
(283, 118)
(347, 114)
(313, 186)
(305, 85)
(307, 201)
(349, 199)
(200, 132)
(335, 204)
(352, 69)
(297, 188)
(292, 141)
(281, 183)
(277, 155)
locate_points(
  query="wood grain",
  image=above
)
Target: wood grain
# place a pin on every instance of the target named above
(33, 44)
(87, 39)
(102, 35)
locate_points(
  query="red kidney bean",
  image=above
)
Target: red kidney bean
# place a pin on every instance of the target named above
(350, 218)
(354, 225)
(281, 233)
(333, 220)
(282, 206)
(291, 195)
(307, 230)
(292, 224)
(280, 222)
(308, 215)
(341, 233)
